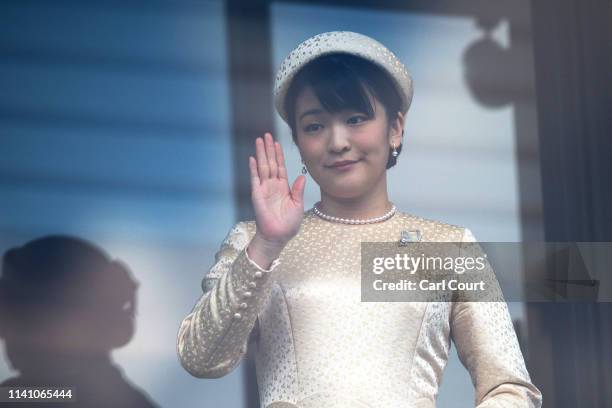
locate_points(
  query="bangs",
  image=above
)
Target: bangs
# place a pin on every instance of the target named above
(343, 82)
(337, 85)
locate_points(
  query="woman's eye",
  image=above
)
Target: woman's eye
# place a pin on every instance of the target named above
(357, 119)
(312, 128)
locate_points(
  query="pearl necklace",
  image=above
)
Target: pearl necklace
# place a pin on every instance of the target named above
(387, 215)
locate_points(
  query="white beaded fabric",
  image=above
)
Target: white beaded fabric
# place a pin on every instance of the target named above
(317, 345)
(341, 42)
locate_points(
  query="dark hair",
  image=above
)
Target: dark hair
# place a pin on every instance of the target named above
(340, 81)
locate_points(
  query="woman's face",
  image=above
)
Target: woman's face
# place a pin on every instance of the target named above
(325, 139)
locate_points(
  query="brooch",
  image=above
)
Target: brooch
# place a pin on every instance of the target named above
(409, 236)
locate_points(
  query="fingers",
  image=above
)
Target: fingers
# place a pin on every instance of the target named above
(297, 190)
(270, 161)
(253, 170)
(262, 160)
(271, 155)
(280, 158)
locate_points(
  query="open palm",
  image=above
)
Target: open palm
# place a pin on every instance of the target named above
(278, 209)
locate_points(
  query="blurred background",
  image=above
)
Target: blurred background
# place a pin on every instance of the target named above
(129, 125)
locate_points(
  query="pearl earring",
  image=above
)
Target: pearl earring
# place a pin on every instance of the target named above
(394, 153)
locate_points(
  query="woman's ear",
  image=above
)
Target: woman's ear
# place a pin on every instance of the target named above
(397, 129)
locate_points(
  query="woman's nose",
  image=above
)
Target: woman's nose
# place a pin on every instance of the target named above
(339, 138)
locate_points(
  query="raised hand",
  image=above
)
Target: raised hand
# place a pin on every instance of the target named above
(278, 209)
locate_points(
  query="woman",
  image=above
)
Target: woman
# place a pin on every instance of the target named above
(291, 278)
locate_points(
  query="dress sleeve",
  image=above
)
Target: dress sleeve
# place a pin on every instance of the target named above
(213, 338)
(488, 347)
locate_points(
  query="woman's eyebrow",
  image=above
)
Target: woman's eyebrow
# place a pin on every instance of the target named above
(311, 112)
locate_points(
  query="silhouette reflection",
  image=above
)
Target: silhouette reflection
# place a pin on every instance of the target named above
(64, 305)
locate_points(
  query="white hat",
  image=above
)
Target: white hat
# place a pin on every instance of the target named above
(344, 42)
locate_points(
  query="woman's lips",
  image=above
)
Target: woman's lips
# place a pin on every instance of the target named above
(346, 166)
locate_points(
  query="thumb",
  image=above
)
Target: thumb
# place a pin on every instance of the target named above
(297, 190)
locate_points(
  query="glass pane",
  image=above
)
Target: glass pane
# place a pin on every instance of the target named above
(115, 129)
